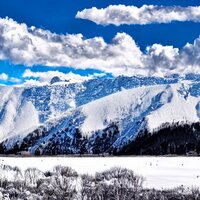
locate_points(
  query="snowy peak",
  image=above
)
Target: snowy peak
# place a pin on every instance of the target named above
(55, 79)
(182, 108)
(130, 103)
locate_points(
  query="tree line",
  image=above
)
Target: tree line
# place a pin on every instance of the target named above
(64, 183)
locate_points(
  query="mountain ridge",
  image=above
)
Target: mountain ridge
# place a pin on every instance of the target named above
(113, 108)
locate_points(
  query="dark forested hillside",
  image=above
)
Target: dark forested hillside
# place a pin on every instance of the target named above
(180, 139)
(175, 139)
(68, 141)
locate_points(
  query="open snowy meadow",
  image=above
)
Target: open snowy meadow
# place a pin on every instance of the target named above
(159, 172)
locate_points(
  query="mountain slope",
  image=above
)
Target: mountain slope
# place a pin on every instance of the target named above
(134, 109)
(96, 116)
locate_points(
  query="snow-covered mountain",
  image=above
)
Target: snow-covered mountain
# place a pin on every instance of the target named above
(94, 116)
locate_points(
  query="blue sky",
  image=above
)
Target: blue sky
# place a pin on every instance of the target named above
(58, 16)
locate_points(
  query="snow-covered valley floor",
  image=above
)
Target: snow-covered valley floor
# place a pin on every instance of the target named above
(159, 172)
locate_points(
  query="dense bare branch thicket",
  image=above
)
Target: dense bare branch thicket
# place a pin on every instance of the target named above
(64, 183)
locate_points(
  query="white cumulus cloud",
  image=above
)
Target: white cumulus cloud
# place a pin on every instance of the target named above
(31, 46)
(44, 78)
(3, 77)
(122, 56)
(147, 14)
(15, 80)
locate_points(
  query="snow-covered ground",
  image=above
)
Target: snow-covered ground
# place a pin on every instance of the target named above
(160, 172)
